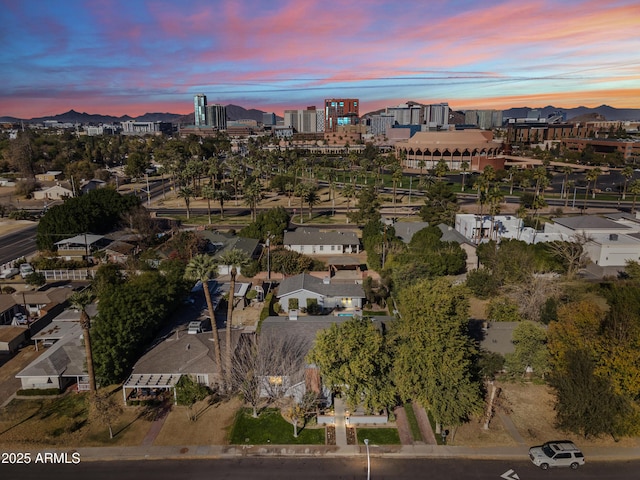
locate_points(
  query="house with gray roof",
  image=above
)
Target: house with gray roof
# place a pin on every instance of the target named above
(347, 296)
(314, 241)
(61, 365)
(180, 353)
(219, 243)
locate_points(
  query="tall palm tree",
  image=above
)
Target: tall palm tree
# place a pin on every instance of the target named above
(203, 267)
(79, 301)
(634, 189)
(627, 173)
(464, 166)
(312, 198)
(186, 193)
(234, 258)
(207, 191)
(593, 175)
(221, 195)
(252, 196)
(348, 192)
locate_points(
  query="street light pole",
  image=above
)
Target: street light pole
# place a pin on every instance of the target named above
(366, 442)
(269, 256)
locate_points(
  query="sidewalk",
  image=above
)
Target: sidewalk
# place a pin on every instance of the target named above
(391, 451)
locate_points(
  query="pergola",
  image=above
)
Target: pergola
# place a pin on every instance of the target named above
(162, 381)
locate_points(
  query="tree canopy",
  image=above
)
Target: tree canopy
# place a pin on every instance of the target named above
(434, 354)
(354, 359)
(96, 212)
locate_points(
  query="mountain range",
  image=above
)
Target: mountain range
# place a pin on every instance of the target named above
(235, 112)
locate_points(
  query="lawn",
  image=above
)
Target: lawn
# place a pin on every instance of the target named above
(271, 428)
(413, 422)
(378, 436)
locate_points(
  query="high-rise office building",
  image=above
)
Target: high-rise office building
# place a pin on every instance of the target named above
(436, 116)
(340, 112)
(406, 114)
(217, 116)
(302, 121)
(200, 109)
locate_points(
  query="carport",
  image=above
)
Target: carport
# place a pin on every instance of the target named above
(153, 382)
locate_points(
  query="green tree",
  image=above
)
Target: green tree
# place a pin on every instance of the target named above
(188, 392)
(531, 351)
(137, 164)
(204, 267)
(440, 204)
(434, 357)
(353, 359)
(252, 196)
(586, 402)
(634, 189)
(207, 191)
(368, 206)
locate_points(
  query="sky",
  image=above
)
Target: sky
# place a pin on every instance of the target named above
(118, 57)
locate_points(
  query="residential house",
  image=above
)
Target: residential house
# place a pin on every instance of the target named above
(181, 353)
(61, 365)
(8, 308)
(81, 246)
(93, 184)
(11, 337)
(219, 243)
(304, 288)
(57, 192)
(406, 230)
(306, 328)
(312, 241)
(49, 176)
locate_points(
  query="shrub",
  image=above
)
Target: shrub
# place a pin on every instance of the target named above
(482, 283)
(293, 304)
(502, 309)
(34, 392)
(312, 306)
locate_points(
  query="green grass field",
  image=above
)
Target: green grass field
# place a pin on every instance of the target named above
(271, 428)
(378, 436)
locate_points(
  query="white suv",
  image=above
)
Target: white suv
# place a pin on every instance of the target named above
(559, 453)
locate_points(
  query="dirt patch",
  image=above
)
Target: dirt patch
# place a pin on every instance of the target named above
(477, 308)
(210, 428)
(331, 435)
(351, 436)
(531, 409)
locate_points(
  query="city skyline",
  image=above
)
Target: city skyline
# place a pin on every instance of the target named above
(129, 58)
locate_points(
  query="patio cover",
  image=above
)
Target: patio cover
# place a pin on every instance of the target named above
(165, 381)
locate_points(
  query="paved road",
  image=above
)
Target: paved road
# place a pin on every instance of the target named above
(313, 468)
(18, 244)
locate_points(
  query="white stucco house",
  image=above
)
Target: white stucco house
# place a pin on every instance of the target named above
(57, 192)
(348, 296)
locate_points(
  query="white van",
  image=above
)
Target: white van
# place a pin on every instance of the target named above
(25, 270)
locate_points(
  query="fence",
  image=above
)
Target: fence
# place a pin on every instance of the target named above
(50, 275)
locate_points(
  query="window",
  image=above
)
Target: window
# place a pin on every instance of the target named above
(333, 247)
(321, 248)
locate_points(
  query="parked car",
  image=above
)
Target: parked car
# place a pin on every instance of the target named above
(9, 273)
(558, 453)
(26, 269)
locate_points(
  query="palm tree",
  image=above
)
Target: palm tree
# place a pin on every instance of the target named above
(234, 258)
(186, 193)
(593, 175)
(302, 190)
(79, 301)
(464, 166)
(494, 198)
(567, 171)
(252, 196)
(221, 195)
(348, 192)
(627, 173)
(634, 189)
(441, 169)
(207, 191)
(312, 198)
(396, 177)
(203, 267)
